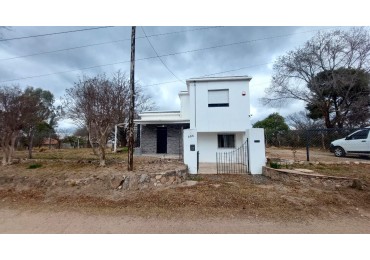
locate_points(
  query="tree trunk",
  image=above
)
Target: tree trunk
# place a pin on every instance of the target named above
(12, 145)
(102, 155)
(30, 145)
(102, 143)
(6, 155)
(8, 147)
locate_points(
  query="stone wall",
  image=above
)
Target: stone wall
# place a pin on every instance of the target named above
(148, 138)
(330, 182)
(144, 180)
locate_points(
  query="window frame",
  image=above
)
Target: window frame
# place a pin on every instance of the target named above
(221, 142)
(219, 104)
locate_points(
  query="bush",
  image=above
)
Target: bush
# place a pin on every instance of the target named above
(35, 166)
(275, 165)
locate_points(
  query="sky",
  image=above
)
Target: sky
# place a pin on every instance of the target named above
(54, 62)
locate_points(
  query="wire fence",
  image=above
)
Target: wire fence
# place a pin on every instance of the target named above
(309, 139)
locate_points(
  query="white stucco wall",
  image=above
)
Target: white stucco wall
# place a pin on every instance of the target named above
(185, 105)
(190, 157)
(218, 119)
(192, 105)
(256, 151)
(208, 145)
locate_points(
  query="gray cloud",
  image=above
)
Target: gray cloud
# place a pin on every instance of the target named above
(264, 47)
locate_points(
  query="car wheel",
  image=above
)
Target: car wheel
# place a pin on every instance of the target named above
(339, 152)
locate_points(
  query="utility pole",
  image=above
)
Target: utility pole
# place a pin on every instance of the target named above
(132, 104)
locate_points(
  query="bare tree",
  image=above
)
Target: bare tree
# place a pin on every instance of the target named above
(301, 121)
(343, 57)
(99, 104)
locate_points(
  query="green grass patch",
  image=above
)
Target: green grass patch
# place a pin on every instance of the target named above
(275, 165)
(35, 166)
(194, 177)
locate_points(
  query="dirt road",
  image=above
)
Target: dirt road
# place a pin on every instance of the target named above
(29, 221)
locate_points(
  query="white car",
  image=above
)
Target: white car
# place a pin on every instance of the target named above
(356, 143)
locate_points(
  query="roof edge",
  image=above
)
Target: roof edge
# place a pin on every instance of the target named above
(228, 78)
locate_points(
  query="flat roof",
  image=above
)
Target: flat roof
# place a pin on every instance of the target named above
(228, 78)
(160, 122)
(159, 112)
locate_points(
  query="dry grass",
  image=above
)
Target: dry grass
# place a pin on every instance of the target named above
(228, 196)
(69, 154)
(241, 196)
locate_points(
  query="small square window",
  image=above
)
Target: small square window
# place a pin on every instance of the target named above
(218, 98)
(226, 141)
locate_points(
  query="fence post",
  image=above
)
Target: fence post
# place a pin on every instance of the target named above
(308, 145)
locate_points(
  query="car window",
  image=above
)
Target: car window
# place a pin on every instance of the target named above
(360, 135)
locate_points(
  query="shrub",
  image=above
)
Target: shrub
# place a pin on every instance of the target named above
(275, 165)
(35, 166)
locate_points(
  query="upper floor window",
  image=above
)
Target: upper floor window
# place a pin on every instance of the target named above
(218, 98)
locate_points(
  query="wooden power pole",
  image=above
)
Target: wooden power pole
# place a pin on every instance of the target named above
(132, 104)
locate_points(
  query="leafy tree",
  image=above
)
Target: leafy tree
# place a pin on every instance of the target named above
(274, 126)
(43, 110)
(15, 110)
(43, 130)
(340, 97)
(329, 73)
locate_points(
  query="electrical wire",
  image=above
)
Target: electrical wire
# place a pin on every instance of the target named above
(156, 53)
(54, 33)
(109, 42)
(166, 55)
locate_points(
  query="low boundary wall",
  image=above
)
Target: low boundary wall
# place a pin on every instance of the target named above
(332, 182)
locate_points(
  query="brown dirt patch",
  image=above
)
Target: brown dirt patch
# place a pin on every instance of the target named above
(79, 184)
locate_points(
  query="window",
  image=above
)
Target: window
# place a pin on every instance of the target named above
(359, 135)
(218, 98)
(226, 141)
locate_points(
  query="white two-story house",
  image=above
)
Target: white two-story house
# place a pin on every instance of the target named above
(214, 118)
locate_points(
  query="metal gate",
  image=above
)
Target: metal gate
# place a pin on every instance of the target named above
(236, 161)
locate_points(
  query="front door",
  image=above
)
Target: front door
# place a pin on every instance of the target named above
(161, 139)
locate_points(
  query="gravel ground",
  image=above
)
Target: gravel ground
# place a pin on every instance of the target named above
(34, 221)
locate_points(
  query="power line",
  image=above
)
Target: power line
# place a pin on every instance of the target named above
(240, 42)
(54, 33)
(206, 75)
(103, 43)
(160, 83)
(164, 55)
(242, 68)
(156, 53)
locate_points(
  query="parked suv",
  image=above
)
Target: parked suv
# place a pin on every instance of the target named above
(355, 143)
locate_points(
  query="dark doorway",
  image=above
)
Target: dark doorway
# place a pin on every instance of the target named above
(161, 139)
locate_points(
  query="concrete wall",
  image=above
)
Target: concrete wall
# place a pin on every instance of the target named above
(256, 150)
(208, 145)
(331, 182)
(185, 105)
(190, 156)
(218, 119)
(148, 139)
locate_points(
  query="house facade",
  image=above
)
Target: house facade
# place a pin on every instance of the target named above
(214, 117)
(161, 132)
